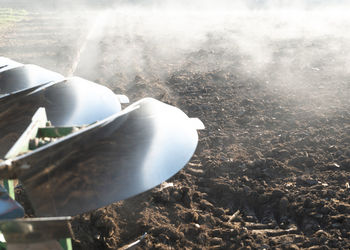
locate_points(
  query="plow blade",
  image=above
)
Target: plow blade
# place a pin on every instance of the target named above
(111, 160)
(24, 77)
(6, 64)
(73, 102)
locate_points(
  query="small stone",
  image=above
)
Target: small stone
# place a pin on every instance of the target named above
(289, 185)
(336, 165)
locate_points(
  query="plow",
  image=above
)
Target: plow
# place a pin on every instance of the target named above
(75, 146)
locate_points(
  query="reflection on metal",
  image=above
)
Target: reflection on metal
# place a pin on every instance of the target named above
(73, 102)
(24, 77)
(197, 124)
(36, 233)
(9, 208)
(6, 64)
(12, 97)
(121, 156)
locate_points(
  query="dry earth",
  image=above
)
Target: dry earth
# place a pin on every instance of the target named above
(272, 168)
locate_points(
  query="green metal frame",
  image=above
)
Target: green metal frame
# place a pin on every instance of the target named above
(10, 187)
(66, 243)
(55, 132)
(36, 129)
(3, 245)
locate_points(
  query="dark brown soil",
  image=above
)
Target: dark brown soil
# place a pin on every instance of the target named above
(272, 168)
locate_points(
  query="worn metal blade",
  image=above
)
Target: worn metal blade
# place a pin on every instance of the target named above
(24, 77)
(119, 157)
(73, 102)
(9, 209)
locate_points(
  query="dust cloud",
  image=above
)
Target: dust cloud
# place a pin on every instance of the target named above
(299, 47)
(269, 79)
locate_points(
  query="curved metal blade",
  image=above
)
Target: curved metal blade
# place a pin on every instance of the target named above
(9, 209)
(6, 64)
(8, 98)
(73, 102)
(126, 154)
(24, 77)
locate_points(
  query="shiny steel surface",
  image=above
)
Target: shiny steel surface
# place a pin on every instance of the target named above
(9, 209)
(28, 230)
(69, 103)
(24, 77)
(6, 64)
(126, 154)
(10, 97)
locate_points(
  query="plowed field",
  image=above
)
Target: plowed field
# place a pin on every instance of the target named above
(272, 168)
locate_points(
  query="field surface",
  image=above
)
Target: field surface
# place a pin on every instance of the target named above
(272, 168)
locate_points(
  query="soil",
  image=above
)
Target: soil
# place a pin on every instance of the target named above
(272, 167)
